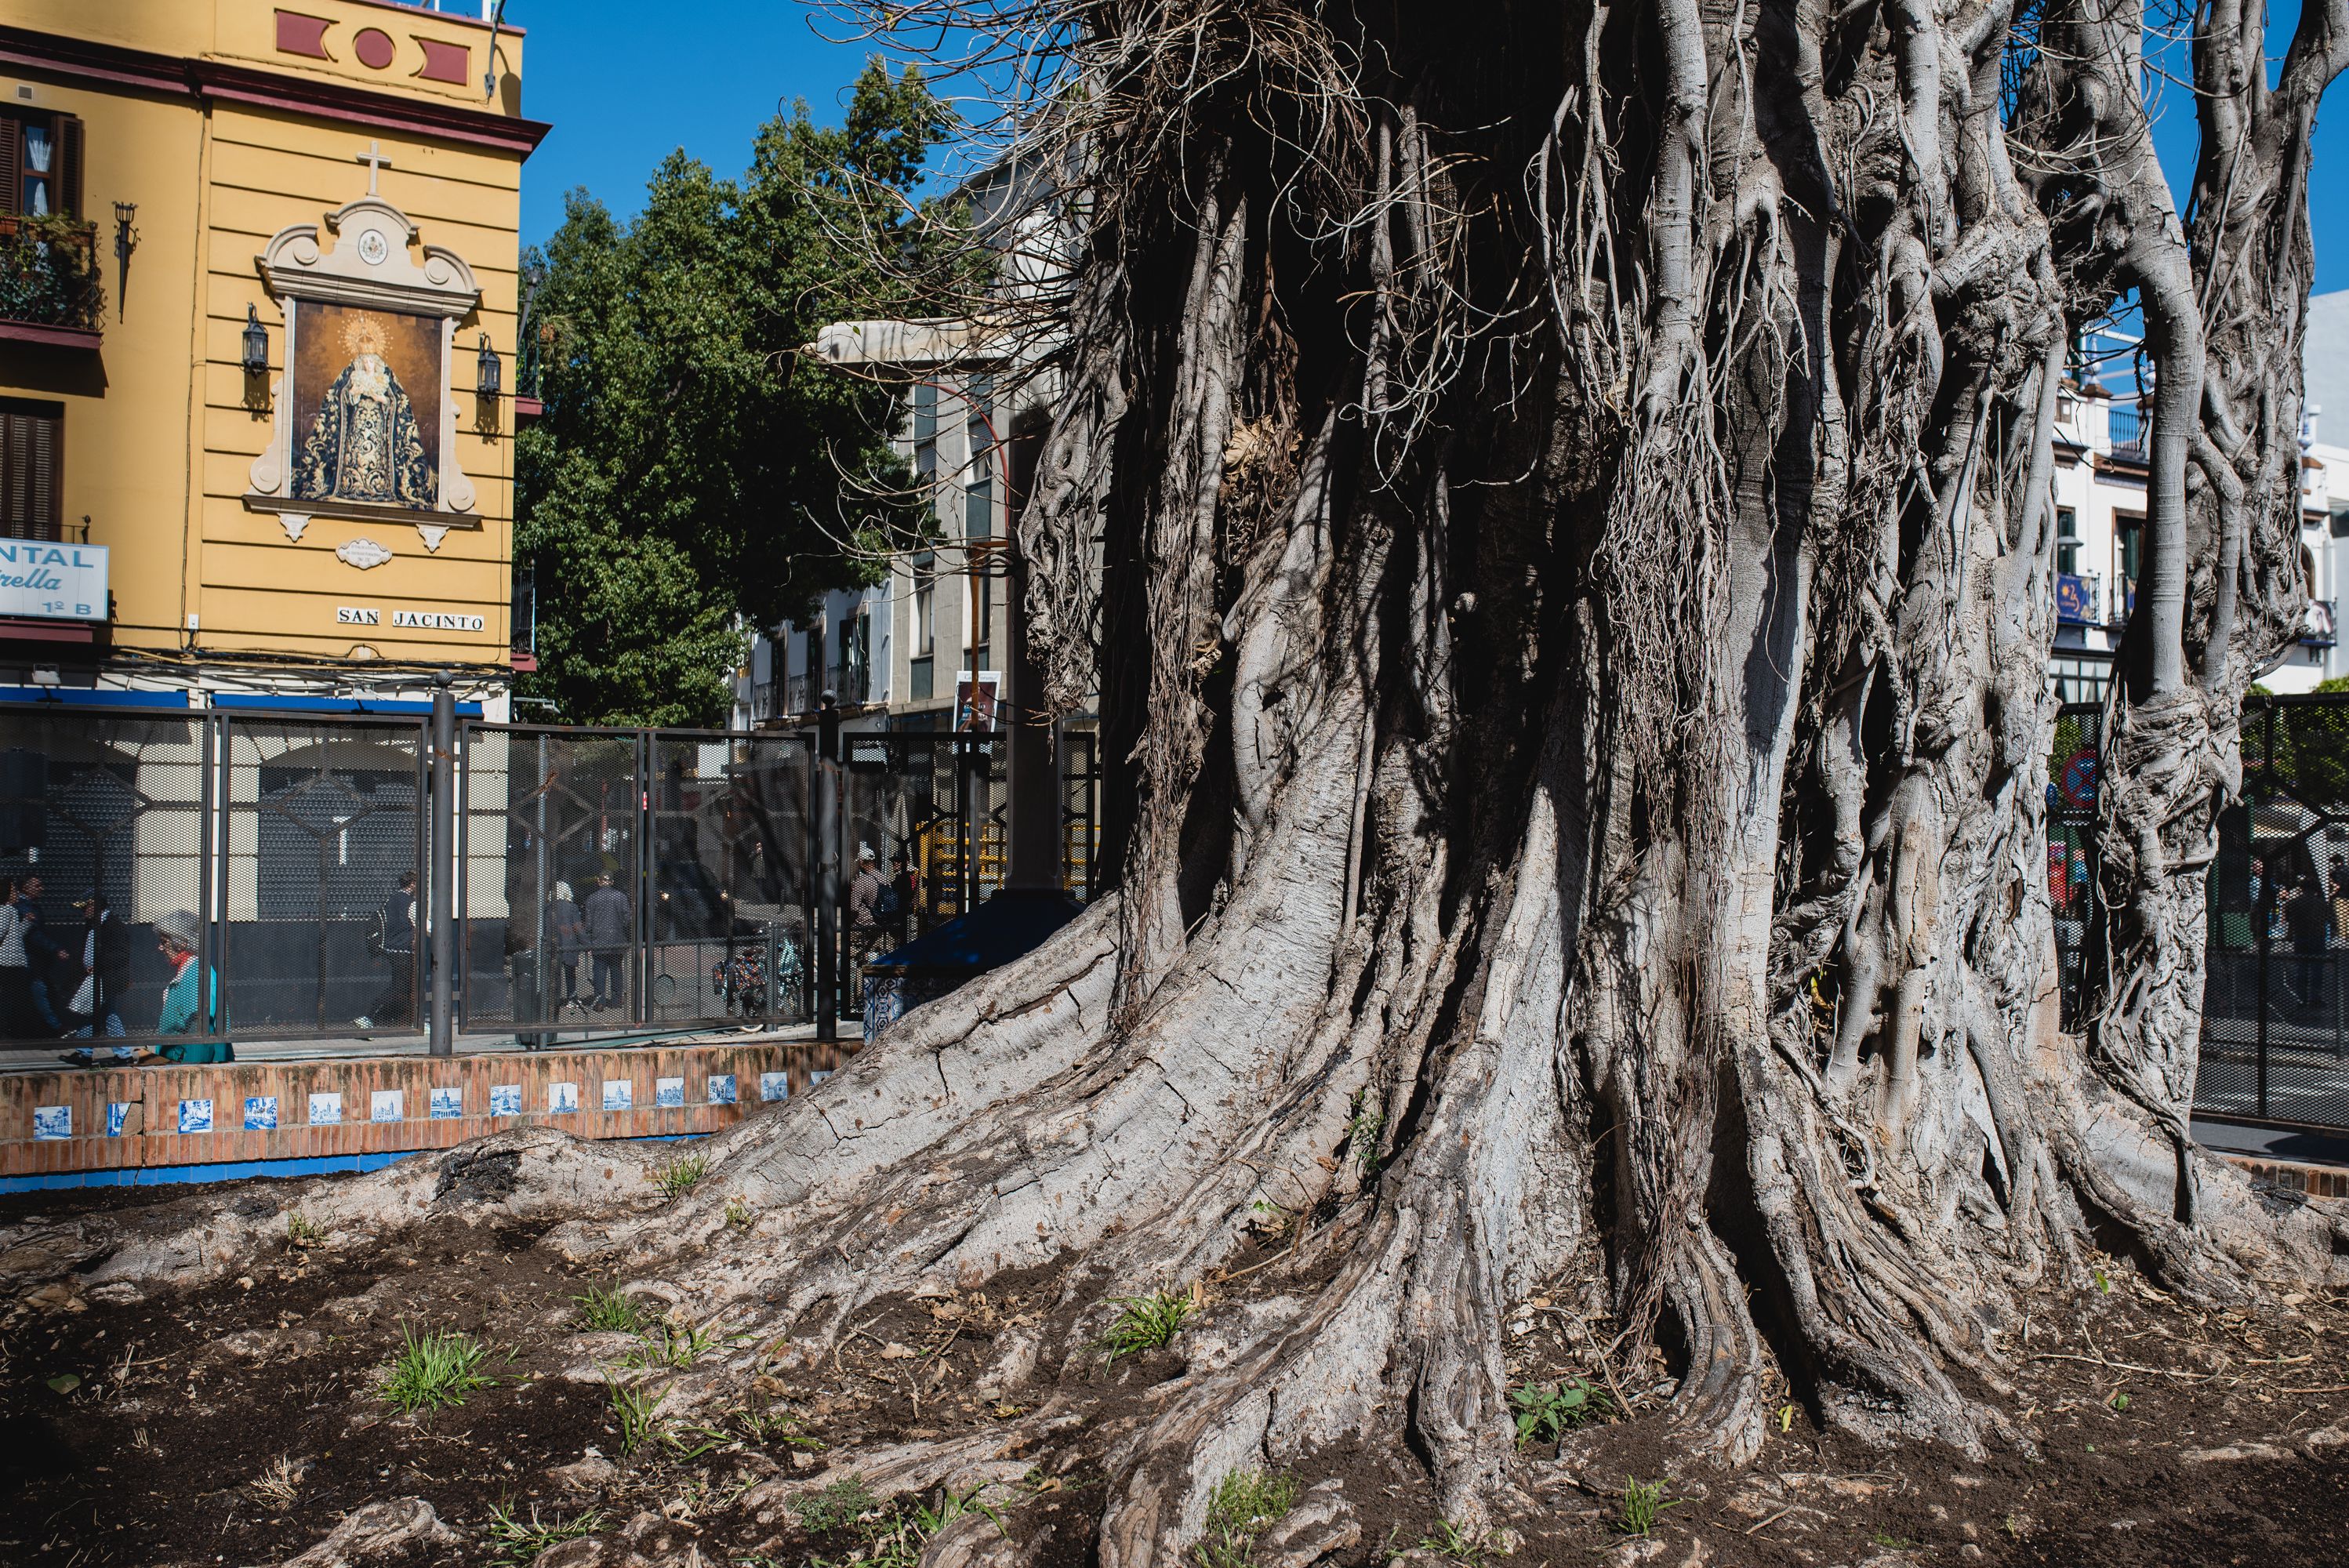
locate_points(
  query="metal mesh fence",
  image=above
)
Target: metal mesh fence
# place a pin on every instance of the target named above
(727, 903)
(549, 863)
(606, 880)
(2275, 1024)
(104, 803)
(318, 903)
(2275, 1009)
(2072, 773)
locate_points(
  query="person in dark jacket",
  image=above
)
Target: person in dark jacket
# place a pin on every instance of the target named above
(107, 968)
(398, 1003)
(2309, 915)
(607, 917)
(96, 1009)
(568, 931)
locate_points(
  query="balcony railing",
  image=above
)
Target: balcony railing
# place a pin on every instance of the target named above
(2077, 596)
(49, 284)
(2126, 427)
(851, 683)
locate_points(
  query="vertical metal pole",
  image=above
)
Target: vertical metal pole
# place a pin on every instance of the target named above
(2266, 901)
(464, 820)
(544, 979)
(442, 1039)
(642, 1011)
(827, 871)
(966, 755)
(208, 947)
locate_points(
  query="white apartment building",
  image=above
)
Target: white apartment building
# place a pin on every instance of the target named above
(2100, 477)
(891, 655)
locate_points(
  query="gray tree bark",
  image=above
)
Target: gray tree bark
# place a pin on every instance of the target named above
(1573, 491)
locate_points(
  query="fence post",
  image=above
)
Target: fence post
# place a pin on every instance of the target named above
(827, 871)
(441, 1041)
(2266, 902)
(213, 936)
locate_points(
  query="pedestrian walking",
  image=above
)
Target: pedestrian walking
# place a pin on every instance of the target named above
(395, 941)
(568, 931)
(608, 920)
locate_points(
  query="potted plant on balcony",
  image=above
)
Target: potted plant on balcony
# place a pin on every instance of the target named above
(48, 273)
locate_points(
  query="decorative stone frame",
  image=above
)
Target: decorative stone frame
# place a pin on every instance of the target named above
(370, 265)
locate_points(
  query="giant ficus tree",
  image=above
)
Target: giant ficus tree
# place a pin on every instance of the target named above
(1554, 502)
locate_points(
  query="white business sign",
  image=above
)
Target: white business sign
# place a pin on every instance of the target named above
(57, 582)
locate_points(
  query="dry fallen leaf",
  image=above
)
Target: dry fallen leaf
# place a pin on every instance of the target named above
(893, 1351)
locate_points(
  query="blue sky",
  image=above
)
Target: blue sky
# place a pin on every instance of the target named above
(625, 83)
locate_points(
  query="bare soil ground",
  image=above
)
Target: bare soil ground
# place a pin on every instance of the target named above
(238, 1424)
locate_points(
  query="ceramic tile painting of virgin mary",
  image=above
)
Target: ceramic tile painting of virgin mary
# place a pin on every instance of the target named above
(367, 400)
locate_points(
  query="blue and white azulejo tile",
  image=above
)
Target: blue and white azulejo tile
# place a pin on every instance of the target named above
(619, 1094)
(385, 1105)
(774, 1085)
(505, 1100)
(721, 1089)
(669, 1093)
(260, 1113)
(561, 1097)
(51, 1122)
(195, 1116)
(326, 1109)
(448, 1103)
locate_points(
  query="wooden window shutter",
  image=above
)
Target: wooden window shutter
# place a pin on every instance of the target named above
(32, 501)
(12, 162)
(69, 157)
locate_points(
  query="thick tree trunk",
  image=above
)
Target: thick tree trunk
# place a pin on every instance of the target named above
(1574, 489)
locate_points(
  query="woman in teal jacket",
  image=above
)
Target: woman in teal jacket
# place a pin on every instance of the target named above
(191, 986)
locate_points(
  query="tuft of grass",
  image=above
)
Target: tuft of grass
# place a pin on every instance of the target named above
(301, 1230)
(2120, 1399)
(738, 1216)
(1546, 1414)
(1453, 1544)
(1643, 1502)
(1243, 1505)
(680, 1176)
(761, 1426)
(514, 1543)
(664, 1342)
(433, 1370)
(1364, 1126)
(637, 1410)
(835, 1505)
(1145, 1322)
(610, 1312)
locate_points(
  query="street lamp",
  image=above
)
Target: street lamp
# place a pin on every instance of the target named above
(256, 344)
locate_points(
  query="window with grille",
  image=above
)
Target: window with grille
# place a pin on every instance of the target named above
(31, 446)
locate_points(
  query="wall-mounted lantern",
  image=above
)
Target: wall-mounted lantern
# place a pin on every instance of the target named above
(126, 240)
(256, 344)
(492, 370)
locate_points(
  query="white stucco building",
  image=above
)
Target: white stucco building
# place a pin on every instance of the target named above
(2100, 477)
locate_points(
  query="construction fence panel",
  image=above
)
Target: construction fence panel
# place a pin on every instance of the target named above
(2275, 1034)
(325, 849)
(105, 803)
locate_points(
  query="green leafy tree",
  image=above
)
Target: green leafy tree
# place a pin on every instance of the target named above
(692, 476)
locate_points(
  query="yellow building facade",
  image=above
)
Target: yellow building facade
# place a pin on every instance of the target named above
(251, 256)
